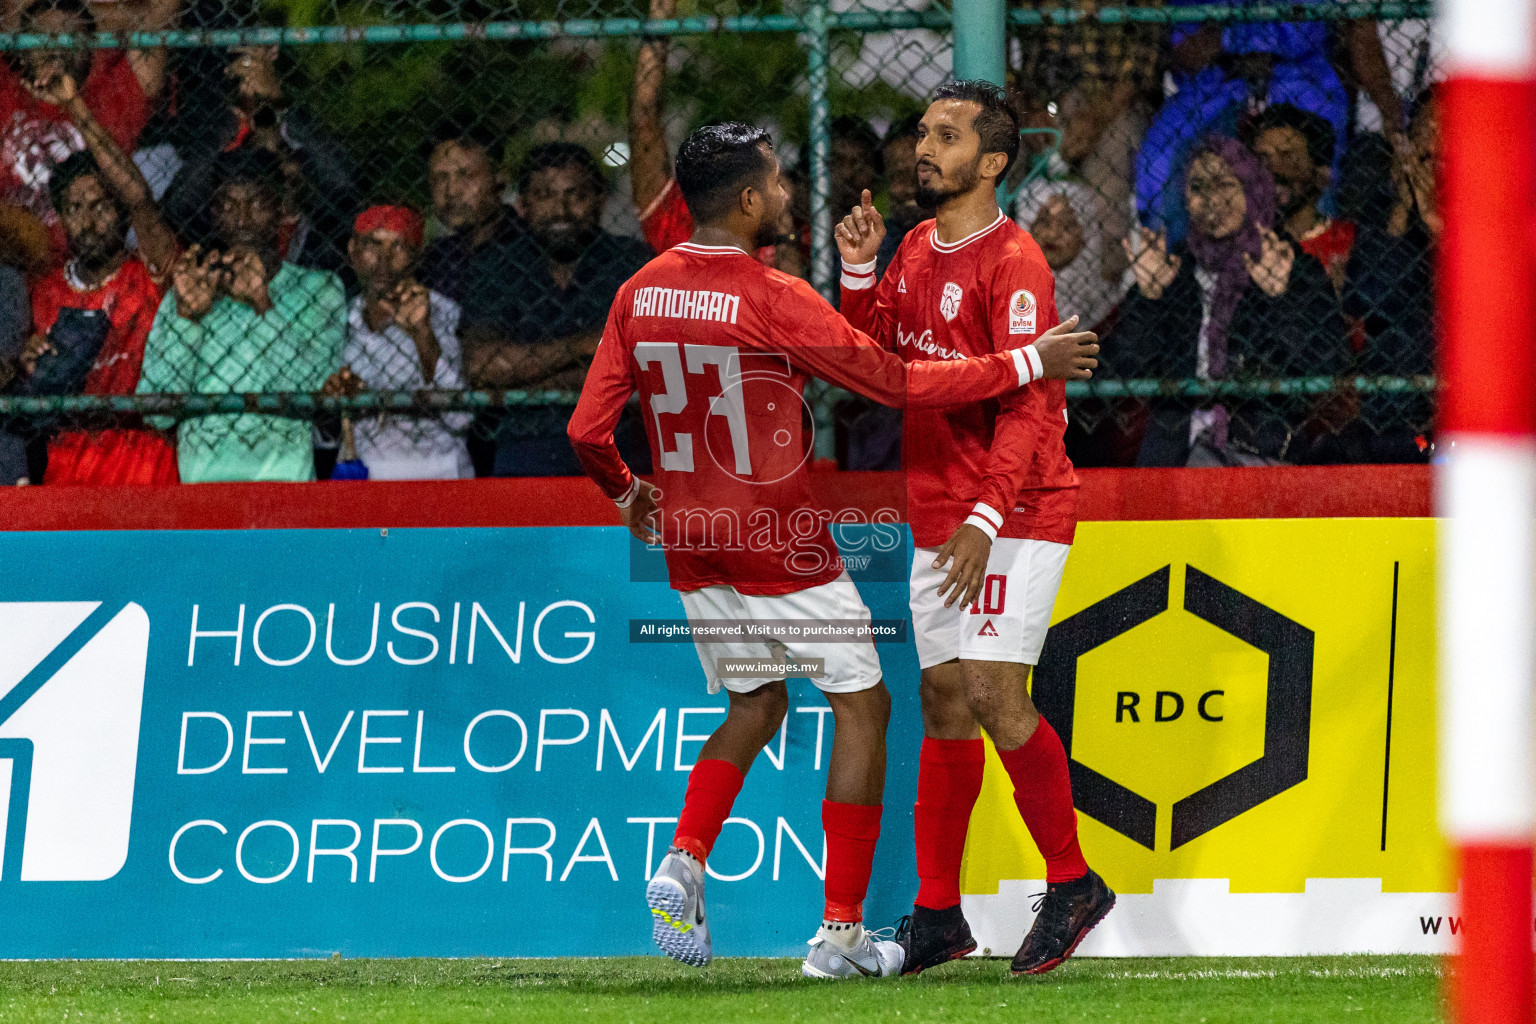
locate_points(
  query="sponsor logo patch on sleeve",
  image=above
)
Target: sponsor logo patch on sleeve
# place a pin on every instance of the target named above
(1021, 312)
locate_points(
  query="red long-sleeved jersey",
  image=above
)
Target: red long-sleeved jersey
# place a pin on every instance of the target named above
(720, 348)
(1000, 464)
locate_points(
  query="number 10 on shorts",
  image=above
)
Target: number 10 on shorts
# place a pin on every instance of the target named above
(994, 594)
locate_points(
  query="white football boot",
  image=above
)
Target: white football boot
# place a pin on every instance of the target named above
(864, 956)
(676, 898)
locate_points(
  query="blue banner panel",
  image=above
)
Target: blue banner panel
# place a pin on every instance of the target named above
(385, 743)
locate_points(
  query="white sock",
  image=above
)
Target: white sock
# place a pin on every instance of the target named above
(845, 933)
(692, 862)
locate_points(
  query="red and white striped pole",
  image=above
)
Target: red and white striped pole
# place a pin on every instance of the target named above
(1486, 497)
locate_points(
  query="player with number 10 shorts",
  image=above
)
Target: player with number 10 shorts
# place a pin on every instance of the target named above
(720, 349)
(992, 498)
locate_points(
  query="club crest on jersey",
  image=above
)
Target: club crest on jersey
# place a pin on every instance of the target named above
(1021, 312)
(949, 302)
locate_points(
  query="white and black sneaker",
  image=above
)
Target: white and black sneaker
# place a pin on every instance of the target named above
(676, 898)
(851, 953)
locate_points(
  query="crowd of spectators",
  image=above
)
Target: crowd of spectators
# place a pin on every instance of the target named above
(1207, 198)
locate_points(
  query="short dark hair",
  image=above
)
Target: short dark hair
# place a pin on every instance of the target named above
(67, 172)
(74, 8)
(248, 165)
(553, 155)
(997, 122)
(465, 136)
(716, 162)
(1320, 136)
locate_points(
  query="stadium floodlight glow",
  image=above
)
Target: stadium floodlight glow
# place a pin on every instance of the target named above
(1486, 495)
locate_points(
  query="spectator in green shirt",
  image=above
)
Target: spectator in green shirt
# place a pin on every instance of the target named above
(239, 319)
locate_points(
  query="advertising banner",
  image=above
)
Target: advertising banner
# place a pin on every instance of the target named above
(1249, 709)
(378, 743)
(464, 742)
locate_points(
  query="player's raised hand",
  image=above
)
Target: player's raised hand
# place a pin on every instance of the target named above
(966, 551)
(640, 515)
(1066, 353)
(861, 232)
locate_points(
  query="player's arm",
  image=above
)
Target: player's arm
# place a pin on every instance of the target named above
(1015, 437)
(868, 304)
(824, 344)
(610, 382)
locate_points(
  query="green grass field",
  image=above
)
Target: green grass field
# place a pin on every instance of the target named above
(1381, 989)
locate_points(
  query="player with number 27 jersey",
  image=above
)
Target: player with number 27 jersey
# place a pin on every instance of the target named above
(720, 349)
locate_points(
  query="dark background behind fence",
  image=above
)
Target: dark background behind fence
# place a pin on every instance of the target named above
(1238, 198)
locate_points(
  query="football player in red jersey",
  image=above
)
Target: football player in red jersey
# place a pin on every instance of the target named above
(992, 500)
(720, 348)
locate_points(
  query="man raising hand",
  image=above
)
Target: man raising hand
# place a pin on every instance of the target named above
(992, 499)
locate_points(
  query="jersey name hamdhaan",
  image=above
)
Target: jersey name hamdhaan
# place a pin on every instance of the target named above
(685, 304)
(721, 396)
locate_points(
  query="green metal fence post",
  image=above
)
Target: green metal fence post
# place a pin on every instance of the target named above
(817, 81)
(823, 253)
(981, 39)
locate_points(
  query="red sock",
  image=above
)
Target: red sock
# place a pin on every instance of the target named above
(948, 783)
(851, 830)
(1042, 788)
(712, 789)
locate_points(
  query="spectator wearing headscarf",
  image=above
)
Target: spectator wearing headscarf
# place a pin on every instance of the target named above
(1066, 219)
(1234, 300)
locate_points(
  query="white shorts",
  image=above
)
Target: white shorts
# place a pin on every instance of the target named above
(850, 666)
(1006, 623)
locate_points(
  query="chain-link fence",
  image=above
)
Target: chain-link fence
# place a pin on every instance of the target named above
(257, 241)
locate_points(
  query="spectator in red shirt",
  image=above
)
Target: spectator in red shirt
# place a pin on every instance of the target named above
(118, 87)
(92, 315)
(1298, 148)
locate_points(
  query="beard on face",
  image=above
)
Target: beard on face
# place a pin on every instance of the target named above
(94, 250)
(1291, 197)
(382, 280)
(767, 230)
(767, 234)
(565, 241)
(929, 197)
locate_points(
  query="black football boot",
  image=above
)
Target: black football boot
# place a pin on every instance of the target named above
(1066, 913)
(933, 937)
